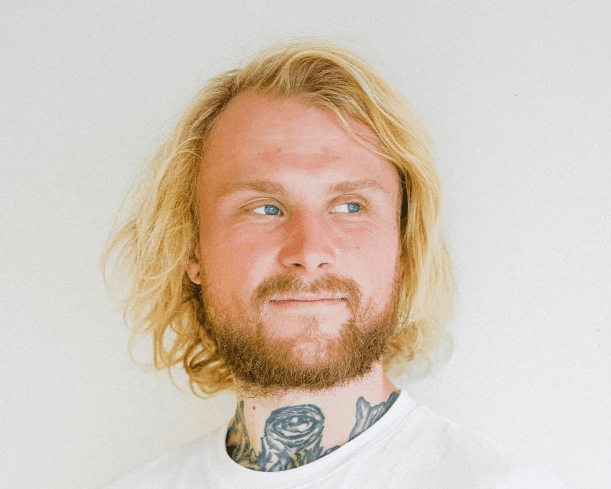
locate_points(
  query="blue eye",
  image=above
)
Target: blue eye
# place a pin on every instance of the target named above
(266, 207)
(353, 206)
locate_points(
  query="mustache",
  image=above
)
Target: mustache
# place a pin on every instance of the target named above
(294, 284)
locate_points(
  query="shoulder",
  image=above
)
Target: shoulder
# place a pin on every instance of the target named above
(167, 471)
(461, 457)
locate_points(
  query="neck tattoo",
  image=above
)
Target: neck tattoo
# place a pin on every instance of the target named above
(293, 435)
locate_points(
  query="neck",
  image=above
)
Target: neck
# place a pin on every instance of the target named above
(284, 431)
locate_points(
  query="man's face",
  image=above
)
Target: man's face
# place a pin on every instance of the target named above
(269, 254)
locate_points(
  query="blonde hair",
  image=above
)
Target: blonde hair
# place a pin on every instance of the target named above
(152, 243)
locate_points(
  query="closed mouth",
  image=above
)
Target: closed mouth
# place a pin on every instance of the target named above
(307, 300)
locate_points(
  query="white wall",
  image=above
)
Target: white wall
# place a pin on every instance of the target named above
(517, 97)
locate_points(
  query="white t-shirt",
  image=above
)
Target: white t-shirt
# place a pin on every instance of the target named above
(409, 447)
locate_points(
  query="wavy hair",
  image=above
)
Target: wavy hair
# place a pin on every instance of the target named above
(151, 238)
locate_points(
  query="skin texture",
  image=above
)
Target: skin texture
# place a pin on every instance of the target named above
(268, 256)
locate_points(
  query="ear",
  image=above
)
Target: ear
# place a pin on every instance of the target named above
(193, 267)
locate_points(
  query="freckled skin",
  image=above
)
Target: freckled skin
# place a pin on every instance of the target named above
(293, 435)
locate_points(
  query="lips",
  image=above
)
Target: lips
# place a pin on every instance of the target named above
(315, 300)
(308, 299)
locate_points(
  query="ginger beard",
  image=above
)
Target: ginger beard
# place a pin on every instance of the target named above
(314, 359)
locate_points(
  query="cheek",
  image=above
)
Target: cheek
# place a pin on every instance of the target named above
(377, 257)
(232, 259)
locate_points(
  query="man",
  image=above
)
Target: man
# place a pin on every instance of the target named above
(287, 244)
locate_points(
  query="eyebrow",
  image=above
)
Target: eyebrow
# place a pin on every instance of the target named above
(271, 187)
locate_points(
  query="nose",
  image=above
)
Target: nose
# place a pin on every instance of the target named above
(308, 243)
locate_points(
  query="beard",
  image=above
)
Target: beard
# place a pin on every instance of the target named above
(266, 363)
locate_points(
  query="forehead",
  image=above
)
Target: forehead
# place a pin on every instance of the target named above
(255, 116)
(262, 134)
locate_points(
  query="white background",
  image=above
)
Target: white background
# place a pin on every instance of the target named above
(517, 97)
